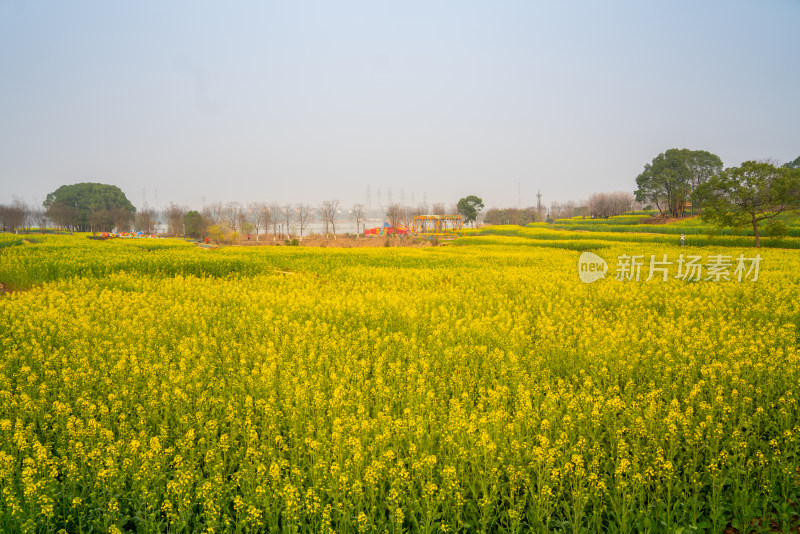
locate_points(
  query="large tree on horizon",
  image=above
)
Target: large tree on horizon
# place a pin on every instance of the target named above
(672, 177)
(89, 206)
(748, 195)
(469, 207)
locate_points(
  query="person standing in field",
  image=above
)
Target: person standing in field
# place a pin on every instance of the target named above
(683, 240)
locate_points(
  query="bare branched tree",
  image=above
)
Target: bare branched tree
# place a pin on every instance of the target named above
(146, 219)
(122, 219)
(259, 216)
(97, 220)
(359, 214)
(63, 216)
(329, 210)
(287, 216)
(274, 215)
(213, 213)
(621, 202)
(13, 216)
(39, 218)
(233, 214)
(175, 214)
(24, 210)
(581, 208)
(599, 206)
(326, 225)
(394, 215)
(609, 204)
(562, 210)
(407, 216)
(511, 215)
(303, 217)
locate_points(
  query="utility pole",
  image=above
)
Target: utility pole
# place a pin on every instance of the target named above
(539, 205)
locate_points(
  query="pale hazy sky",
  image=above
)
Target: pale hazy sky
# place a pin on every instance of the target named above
(308, 101)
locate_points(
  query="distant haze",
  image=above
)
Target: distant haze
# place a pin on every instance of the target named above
(308, 101)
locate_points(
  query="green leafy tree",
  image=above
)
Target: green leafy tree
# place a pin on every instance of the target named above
(469, 207)
(516, 216)
(776, 228)
(672, 176)
(195, 224)
(89, 207)
(749, 195)
(793, 164)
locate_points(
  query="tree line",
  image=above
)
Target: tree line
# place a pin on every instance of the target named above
(681, 182)
(598, 205)
(228, 221)
(94, 207)
(677, 182)
(72, 208)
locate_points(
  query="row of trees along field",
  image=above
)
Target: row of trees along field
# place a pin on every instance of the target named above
(76, 212)
(598, 205)
(218, 220)
(94, 207)
(678, 182)
(224, 222)
(681, 182)
(221, 221)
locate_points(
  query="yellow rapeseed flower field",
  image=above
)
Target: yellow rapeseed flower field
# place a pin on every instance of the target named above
(153, 386)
